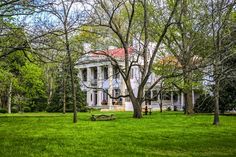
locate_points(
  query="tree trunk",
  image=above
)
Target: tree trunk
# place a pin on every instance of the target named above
(137, 106)
(73, 88)
(187, 92)
(161, 97)
(50, 90)
(185, 103)
(137, 111)
(71, 66)
(64, 95)
(189, 109)
(9, 97)
(216, 107)
(1, 104)
(161, 106)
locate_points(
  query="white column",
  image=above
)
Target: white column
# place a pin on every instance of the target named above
(99, 81)
(110, 78)
(151, 96)
(182, 100)
(179, 102)
(89, 91)
(193, 97)
(123, 87)
(172, 100)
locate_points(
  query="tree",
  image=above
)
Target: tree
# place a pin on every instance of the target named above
(58, 97)
(12, 33)
(227, 91)
(10, 68)
(22, 82)
(66, 20)
(32, 84)
(118, 19)
(5, 85)
(222, 28)
(184, 42)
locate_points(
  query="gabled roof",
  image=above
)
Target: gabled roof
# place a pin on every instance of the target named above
(118, 52)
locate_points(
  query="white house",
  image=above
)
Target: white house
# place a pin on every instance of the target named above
(98, 77)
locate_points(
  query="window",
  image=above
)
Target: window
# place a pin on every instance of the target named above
(154, 95)
(148, 94)
(166, 96)
(175, 96)
(127, 99)
(105, 95)
(116, 73)
(116, 92)
(84, 74)
(105, 73)
(95, 74)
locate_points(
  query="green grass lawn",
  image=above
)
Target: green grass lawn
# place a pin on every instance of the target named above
(166, 134)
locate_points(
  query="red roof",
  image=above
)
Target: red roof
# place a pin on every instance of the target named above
(119, 52)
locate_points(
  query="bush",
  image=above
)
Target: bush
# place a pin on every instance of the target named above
(227, 107)
(84, 109)
(14, 110)
(204, 104)
(175, 108)
(227, 96)
(68, 110)
(26, 109)
(168, 108)
(227, 104)
(3, 110)
(54, 108)
(94, 109)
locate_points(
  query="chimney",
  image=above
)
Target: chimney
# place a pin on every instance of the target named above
(87, 47)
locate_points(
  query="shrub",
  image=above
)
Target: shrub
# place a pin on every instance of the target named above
(227, 107)
(104, 102)
(69, 110)
(3, 110)
(227, 96)
(90, 109)
(54, 108)
(84, 109)
(175, 108)
(204, 104)
(168, 108)
(26, 109)
(14, 110)
(227, 104)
